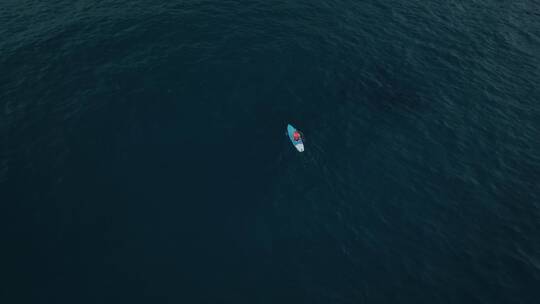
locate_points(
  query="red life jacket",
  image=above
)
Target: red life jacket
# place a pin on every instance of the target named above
(296, 136)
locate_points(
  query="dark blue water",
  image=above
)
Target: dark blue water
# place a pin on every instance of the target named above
(143, 157)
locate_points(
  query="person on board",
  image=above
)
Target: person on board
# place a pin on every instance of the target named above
(297, 136)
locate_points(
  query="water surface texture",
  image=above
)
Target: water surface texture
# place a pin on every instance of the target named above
(143, 156)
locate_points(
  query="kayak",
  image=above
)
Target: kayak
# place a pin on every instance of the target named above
(298, 144)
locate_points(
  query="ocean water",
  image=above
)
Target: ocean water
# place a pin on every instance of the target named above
(143, 157)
